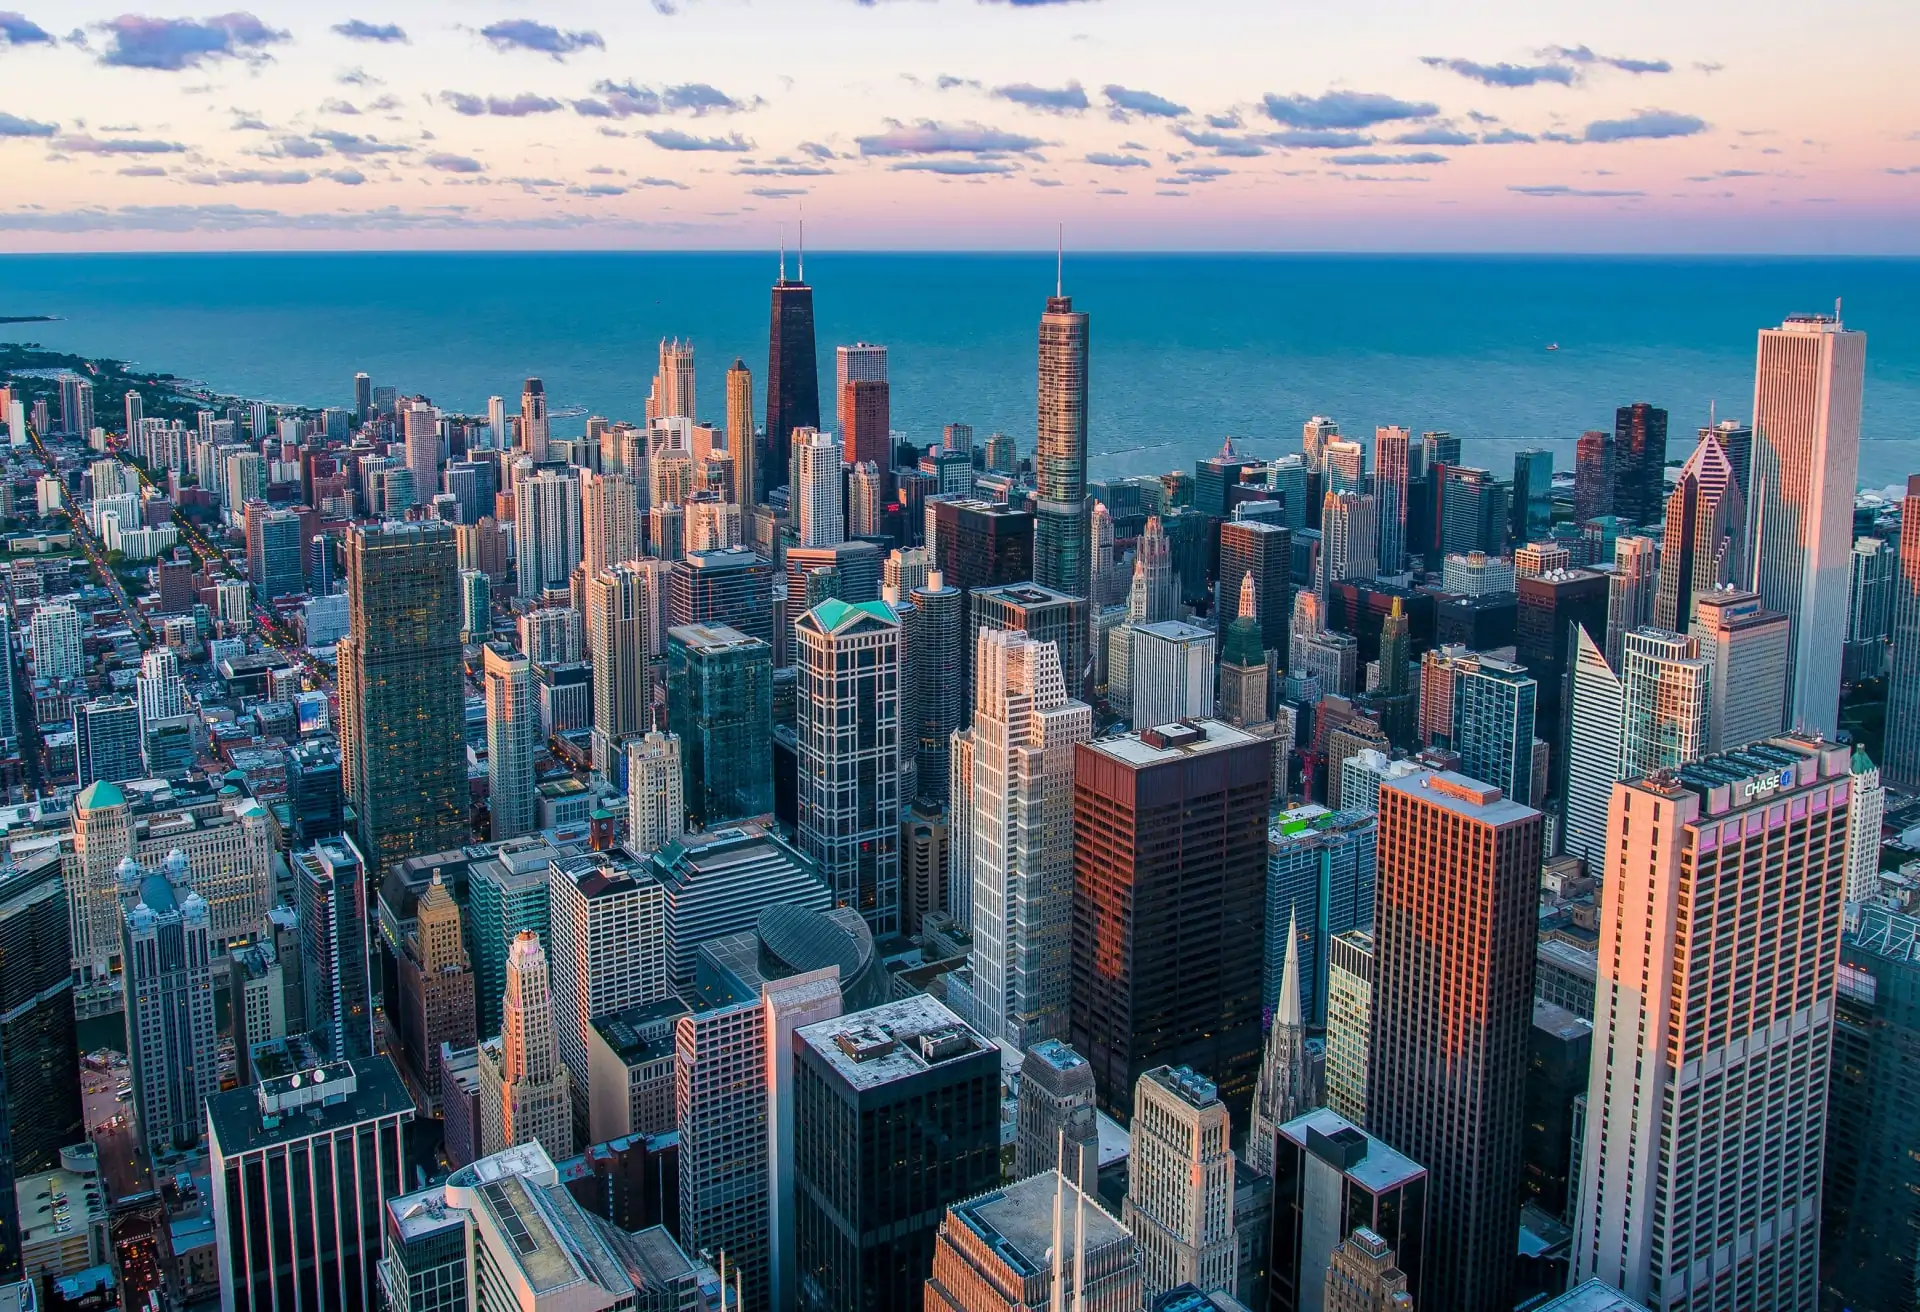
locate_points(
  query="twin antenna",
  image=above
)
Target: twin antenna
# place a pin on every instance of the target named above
(802, 277)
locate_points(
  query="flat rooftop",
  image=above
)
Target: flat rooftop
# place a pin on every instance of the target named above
(1016, 1222)
(415, 1216)
(241, 1125)
(1171, 742)
(1591, 1297)
(641, 1034)
(1373, 1165)
(1462, 796)
(894, 1041)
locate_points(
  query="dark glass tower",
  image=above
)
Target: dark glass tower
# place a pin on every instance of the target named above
(1060, 547)
(793, 370)
(1639, 463)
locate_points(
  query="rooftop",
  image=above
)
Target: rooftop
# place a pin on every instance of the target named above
(892, 1042)
(251, 1119)
(415, 1216)
(1345, 1146)
(1176, 631)
(1164, 743)
(1460, 795)
(1559, 1022)
(1016, 1222)
(641, 1034)
(1191, 1087)
(1591, 1297)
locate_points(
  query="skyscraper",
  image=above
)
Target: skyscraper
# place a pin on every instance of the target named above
(1806, 451)
(436, 1005)
(1285, 1086)
(1665, 717)
(1703, 863)
(40, 1110)
(1532, 507)
(1597, 711)
(1060, 450)
(1243, 664)
(1171, 672)
(174, 1050)
(507, 893)
(939, 687)
(547, 541)
(513, 737)
(525, 1092)
(1349, 543)
(819, 498)
(1180, 1183)
(1705, 530)
(1333, 1184)
(1869, 608)
(1362, 1277)
(1864, 820)
(533, 420)
(1452, 1002)
(847, 722)
(672, 396)
(720, 702)
(1392, 454)
(865, 425)
(1639, 462)
(1632, 590)
(997, 1253)
(420, 438)
(1170, 867)
(656, 806)
(1900, 761)
(1592, 476)
(1349, 1022)
(1746, 646)
(336, 975)
(622, 614)
(1321, 870)
(610, 520)
(1056, 1126)
(1494, 721)
(1024, 730)
(793, 371)
(1264, 550)
(742, 442)
(107, 740)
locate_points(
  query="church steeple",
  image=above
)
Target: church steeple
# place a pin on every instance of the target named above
(1286, 1087)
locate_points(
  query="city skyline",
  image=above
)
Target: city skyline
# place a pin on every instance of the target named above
(681, 126)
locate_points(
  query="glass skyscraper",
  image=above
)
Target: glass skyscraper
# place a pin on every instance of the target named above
(1060, 545)
(720, 702)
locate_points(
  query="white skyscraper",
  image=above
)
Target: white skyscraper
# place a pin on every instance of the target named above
(1180, 1183)
(1746, 644)
(1806, 449)
(161, 691)
(1171, 672)
(421, 439)
(1597, 707)
(817, 492)
(55, 635)
(610, 520)
(526, 1093)
(546, 529)
(622, 621)
(513, 737)
(1864, 818)
(174, 1051)
(1706, 1119)
(863, 362)
(1021, 836)
(497, 424)
(656, 804)
(1349, 538)
(673, 385)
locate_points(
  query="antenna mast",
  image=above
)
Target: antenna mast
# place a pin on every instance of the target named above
(783, 252)
(803, 241)
(1060, 262)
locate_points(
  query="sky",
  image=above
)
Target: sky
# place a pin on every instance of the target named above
(1381, 125)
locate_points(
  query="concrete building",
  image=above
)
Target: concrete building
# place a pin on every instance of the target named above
(1180, 1183)
(1349, 1022)
(1056, 1125)
(1171, 672)
(630, 1072)
(526, 1094)
(656, 805)
(1745, 646)
(513, 738)
(1039, 1241)
(436, 989)
(173, 1053)
(721, 883)
(1362, 1277)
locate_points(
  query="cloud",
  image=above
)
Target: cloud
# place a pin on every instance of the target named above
(16, 29)
(1054, 100)
(1317, 139)
(1419, 157)
(1646, 124)
(296, 148)
(1438, 135)
(699, 98)
(85, 144)
(355, 29)
(352, 145)
(778, 193)
(142, 171)
(1220, 143)
(1504, 137)
(519, 106)
(958, 168)
(1561, 189)
(930, 138)
(1343, 109)
(357, 77)
(947, 82)
(1127, 100)
(1372, 177)
(1701, 66)
(817, 150)
(672, 139)
(11, 125)
(541, 38)
(238, 218)
(1020, 4)
(597, 190)
(1585, 55)
(173, 44)
(1230, 119)
(266, 177)
(1504, 75)
(346, 177)
(245, 122)
(1203, 172)
(447, 162)
(783, 169)
(338, 107)
(627, 99)
(1108, 160)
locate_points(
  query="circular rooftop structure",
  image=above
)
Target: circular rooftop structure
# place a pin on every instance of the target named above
(794, 939)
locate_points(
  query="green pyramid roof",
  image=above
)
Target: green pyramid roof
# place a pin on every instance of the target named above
(99, 794)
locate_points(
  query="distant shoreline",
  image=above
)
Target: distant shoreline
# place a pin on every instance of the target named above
(29, 318)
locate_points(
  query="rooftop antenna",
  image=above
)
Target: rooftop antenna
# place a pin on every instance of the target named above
(1713, 413)
(803, 241)
(1057, 1293)
(1060, 262)
(1836, 311)
(783, 252)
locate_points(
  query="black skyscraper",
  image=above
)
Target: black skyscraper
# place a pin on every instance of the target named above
(1639, 463)
(793, 371)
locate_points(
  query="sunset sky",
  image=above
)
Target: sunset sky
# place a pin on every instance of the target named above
(1139, 124)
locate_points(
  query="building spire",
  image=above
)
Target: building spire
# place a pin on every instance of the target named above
(802, 272)
(1248, 610)
(783, 253)
(1060, 263)
(1287, 1010)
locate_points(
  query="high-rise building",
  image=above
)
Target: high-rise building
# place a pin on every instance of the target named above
(998, 1252)
(303, 1165)
(866, 416)
(107, 740)
(819, 495)
(1495, 718)
(1864, 820)
(733, 587)
(1806, 451)
(1055, 1124)
(1321, 870)
(1639, 462)
(362, 397)
(55, 636)
(979, 544)
(1243, 664)
(1746, 647)
(476, 606)
(1676, 1170)
(403, 760)
(1060, 450)
(720, 703)
(939, 693)
(1595, 741)
(742, 442)
(1632, 592)
(1170, 857)
(1900, 761)
(1179, 1202)
(173, 1048)
(1392, 456)
(1265, 551)
(1532, 508)
(507, 894)
(336, 975)
(1593, 476)
(533, 420)
(1664, 720)
(1020, 825)
(1473, 511)
(866, 499)
(1362, 1277)
(1332, 1180)
(1349, 1021)
(1345, 463)
(622, 630)
(793, 377)
(610, 520)
(1705, 530)
(547, 536)
(896, 1118)
(1171, 672)
(1549, 606)
(1869, 608)
(513, 738)
(526, 1094)
(1286, 1085)
(40, 1110)
(436, 985)
(1349, 538)
(847, 722)
(1454, 929)
(656, 804)
(276, 553)
(672, 396)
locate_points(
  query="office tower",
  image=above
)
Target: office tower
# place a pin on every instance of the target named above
(1044, 615)
(76, 405)
(550, 635)
(1103, 578)
(1171, 672)
(1864, 819)
(939, 697)
(1362, 1277)
(507, 893)
(173, 1048)
(1243, 665)
(720, 703)
(1473, 511)
(1452, 999)
(620, 640)
(1060, 450)
(546, 528)
(1285, 1086)
(866, 497)
(476, 606)
(1025, 727)
(1532, 508)
(1871, 571)
(362, 398)
(610, 520)
(1264, 550)
(55, 637)
(864, 426)
(730, 882)
(420, 443)
(1314, 436)
(1901, 758)
(1705, 526)
(276, 563)
(975, 544)
(1703, 863)
(107, 740)
(1179, 1202)
(606, 948)
(1345, 464)
(1003, 454)
(526, 1094)
(1746, 646)
(1593, 476)
(436, 987)
(733, 587)
(1631, 593)
(533, 420)
(1494, 721)
(40, 1109)
(1639, 462)
(1559, 1053)
(847, 723)
(742, 442)
(513, 739)
(1543, 642)
(1169, 874)
(1536, 558)
(1806, 424)
(1349, 542)
(896, 1117)
(819, 496)
(999, 1253)
(656, 805)
(1331, 1180)
(1056, 1126)
(403, 761)
(499, 430)
(630, 1061)
(1664, 723)
(1595, 742)
(1349, 1021)
(672, 395)
(1392, 452)
(1871, 1201)
(335, 970)
(302, 1165)
(793, 379)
